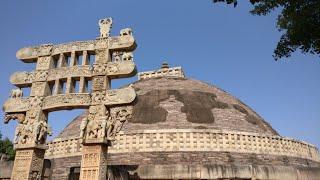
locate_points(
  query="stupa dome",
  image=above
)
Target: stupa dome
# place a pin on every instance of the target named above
(186, 129)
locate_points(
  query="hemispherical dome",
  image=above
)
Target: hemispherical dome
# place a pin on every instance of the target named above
(179, 103)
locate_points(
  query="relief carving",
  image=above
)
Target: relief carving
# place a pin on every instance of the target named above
(99, 69)
(120, 96)
(32, 133)
(116, 56)
(36, 102)
(98, 97)
(118, 115)
(41, 75)
(94, 125)
(44, 63)
(105, 26)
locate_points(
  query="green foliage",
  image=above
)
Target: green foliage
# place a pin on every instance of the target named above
(6, 147)
(299, 20)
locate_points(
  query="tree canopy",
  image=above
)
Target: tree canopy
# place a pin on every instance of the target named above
(299, 20)
(6, 147)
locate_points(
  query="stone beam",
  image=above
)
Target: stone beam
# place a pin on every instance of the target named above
(31, 54)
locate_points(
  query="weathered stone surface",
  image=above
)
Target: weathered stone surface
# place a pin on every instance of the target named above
(61, 82)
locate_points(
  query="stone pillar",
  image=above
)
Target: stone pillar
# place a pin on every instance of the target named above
(28, 164)
(94, 162)
(32, 130)
(94, 150)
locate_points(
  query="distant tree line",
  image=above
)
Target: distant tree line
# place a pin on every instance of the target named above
(6, 148)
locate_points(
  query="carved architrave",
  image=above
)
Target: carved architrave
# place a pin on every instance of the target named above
(65, 72)
(22, 78)
(120, 96)
(14, 105)
(29, 54)
(121, 69)
(62, 101)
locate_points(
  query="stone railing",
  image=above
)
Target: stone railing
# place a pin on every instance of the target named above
(170, 72)
(193, 140)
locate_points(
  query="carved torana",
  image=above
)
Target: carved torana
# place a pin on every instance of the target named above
(71, 76)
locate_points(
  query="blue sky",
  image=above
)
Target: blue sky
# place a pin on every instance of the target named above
(218, 44)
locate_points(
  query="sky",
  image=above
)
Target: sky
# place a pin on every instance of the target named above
(214, 43)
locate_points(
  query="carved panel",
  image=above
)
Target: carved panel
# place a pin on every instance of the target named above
(93, 162)
(22, 164)
(99, 83)
(29, 54)
(122, 42)
(99, 69)
(65, 72)
(98, 97)
(44, 63)
(16, 105)
(121, 69)
(40, 75)
(101, 56)
(21, 78)
(66, 101)
(120, 96)
(39, 89)
(74, 46)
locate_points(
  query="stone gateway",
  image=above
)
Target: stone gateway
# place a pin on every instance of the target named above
(163, 126)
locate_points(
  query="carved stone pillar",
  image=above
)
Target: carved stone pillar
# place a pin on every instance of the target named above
(28, 164)
(93, 128)
(94, 162)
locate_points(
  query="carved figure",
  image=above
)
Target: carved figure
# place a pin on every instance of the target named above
(115, 123)
(116, 56)
(126, 32)
(42, 130)
(16, 93)
(93, 128)
(24, 134)
(16, 116)
(105, 26)
(127, 56)
(83, 127)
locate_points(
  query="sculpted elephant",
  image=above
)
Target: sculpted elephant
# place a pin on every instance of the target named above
(16, 93)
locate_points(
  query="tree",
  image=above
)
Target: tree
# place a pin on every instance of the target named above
(299, 20)
(6, 147)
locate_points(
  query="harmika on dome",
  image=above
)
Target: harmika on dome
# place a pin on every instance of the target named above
(186, 129)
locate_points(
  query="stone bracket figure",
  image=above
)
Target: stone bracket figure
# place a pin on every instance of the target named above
(119, 115)
(20, 117)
